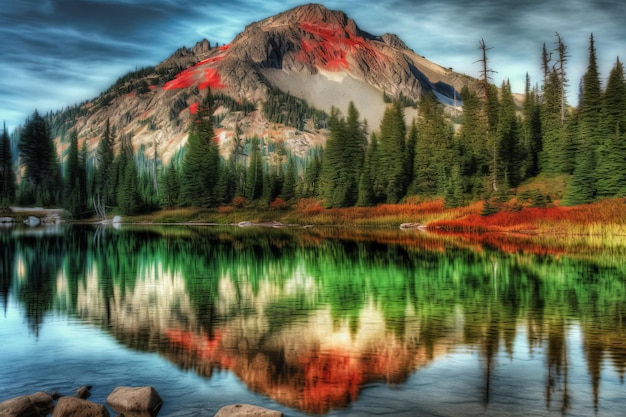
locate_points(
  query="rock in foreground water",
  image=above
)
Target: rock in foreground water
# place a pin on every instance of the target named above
(77, 407)
(135, 400)
(38, 404)
(245, 410)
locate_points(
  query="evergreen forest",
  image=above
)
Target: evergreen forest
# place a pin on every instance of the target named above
(497, 143)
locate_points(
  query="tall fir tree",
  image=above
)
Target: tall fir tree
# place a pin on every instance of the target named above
(611, 152)
(553, 131)
(254, 175)
(201, 165)
(531, 132)
(473, 144)
(354, 153)
(288, 191)
(128, 196)
(42, 182)
(434, 154)
(583, 188)
(7, 174)
(312, 170)
(367, 192)
(75, 198)
(104, 188)
(391, 172)
(333, 183)
(510, 151)
(170, 186)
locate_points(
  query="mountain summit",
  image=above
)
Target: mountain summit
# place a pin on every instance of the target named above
(288, 49)
(311, 52)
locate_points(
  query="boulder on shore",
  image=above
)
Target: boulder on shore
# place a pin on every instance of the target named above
(38, 404)
(246, 410)
(138, 400)
(77, 407)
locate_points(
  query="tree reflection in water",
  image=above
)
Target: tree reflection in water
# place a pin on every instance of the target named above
(308, 317)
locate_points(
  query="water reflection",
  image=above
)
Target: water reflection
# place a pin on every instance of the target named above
(310, 320)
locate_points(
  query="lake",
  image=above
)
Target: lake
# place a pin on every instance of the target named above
(320, 321)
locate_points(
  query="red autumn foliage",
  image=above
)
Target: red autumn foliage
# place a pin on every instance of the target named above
(193, 108)
(239, 201)
(278, 204)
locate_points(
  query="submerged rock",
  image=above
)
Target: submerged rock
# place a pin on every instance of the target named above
(83, 392)
(38, 404)
(77, 407)
(140, 400)
(246, 410)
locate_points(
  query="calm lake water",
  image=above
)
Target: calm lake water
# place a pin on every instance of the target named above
(311, 322)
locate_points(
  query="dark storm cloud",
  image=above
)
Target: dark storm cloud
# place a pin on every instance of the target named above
(56, 53)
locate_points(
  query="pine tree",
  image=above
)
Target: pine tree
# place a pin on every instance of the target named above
(288, 191)
(509, 141)
(104, 190)
(42, 182)
(332, 187)
(367, 193)
(128, 197)
(582, 188)
(433, 149)
(7, 175)
(556, 154)
(254, 175)
(531, 136)
(75, 181)
(227, 183)
(201, 164)
(391, 174)
(312, 174)
(611, 153)
(170, 186)
(474, 148)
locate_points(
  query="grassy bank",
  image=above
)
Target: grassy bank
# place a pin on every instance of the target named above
(604, 218)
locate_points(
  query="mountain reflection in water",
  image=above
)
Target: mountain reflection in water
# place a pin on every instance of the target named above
(310, 320)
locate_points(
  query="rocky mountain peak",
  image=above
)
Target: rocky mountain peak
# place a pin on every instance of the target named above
(311, 52)
(316, 14)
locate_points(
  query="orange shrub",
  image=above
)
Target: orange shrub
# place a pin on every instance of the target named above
(239, 201)
(278, 204)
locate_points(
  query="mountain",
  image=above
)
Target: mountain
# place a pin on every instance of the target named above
(312, 53)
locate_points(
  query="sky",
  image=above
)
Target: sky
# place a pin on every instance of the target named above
(57, 53)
